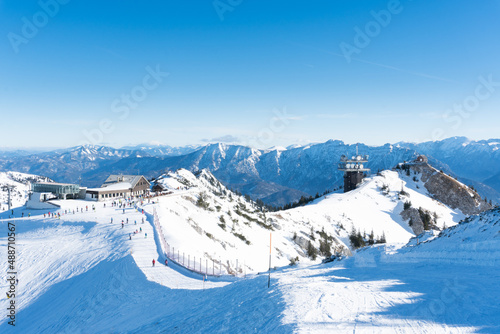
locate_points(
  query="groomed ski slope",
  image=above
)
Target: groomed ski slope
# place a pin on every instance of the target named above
(82, 274)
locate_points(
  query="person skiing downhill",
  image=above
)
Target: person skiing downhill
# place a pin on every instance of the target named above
(166, 262)
(154, 262)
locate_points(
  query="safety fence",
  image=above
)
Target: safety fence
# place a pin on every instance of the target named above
(204, 265)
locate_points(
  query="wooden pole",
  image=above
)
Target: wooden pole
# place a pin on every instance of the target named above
(269, 278)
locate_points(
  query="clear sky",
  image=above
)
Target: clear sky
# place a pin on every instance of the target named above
(260, 73)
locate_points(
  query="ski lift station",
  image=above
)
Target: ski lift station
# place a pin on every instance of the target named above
(60, 190)
(354, 170)
(43, 192)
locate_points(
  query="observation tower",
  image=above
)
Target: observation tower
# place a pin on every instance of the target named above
(354, 170)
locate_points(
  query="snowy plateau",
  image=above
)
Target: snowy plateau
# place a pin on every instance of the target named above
(91, 270)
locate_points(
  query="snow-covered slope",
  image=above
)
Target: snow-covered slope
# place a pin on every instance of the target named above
(21, 184)
(447, 284)
(82, 273)
(475, 241)
(375, 206)
(204, 220)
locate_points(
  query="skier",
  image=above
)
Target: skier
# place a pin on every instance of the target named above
(166, 262)
(145, 235)
(154, 262)
(122, 225)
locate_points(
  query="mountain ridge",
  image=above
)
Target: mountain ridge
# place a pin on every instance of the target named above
(277, 176)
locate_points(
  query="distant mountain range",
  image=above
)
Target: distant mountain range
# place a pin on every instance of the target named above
(277, 176)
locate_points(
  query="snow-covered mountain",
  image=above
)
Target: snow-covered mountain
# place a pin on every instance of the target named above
(474, 162)
(203, 216)
(278, 176)
(64, 165)
(282, 176)
(162, 150)
(445, 282)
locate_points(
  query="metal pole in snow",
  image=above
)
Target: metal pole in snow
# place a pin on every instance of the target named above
(269, 278)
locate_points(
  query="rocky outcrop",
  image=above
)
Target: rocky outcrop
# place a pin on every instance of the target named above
(449, 191)
(415, 222)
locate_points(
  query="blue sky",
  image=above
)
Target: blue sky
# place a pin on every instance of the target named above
(255, 72)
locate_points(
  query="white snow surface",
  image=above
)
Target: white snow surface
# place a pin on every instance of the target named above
(215, 232)
(82, 274)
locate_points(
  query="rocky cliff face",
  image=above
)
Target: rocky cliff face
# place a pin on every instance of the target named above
(449, 191)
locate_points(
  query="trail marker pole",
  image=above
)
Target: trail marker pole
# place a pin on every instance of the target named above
(269, 277)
